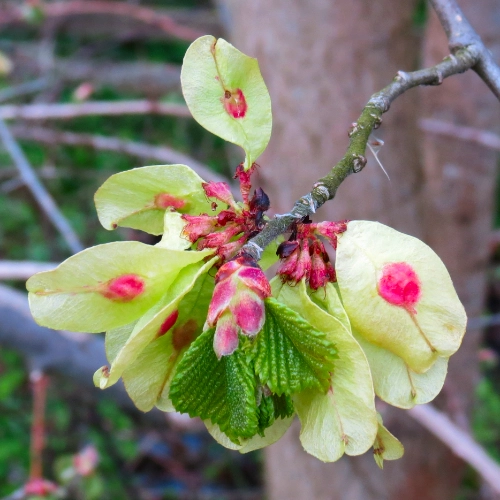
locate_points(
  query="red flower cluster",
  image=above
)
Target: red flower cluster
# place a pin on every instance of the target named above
(304, 255)
(231, 228)
(237, 303)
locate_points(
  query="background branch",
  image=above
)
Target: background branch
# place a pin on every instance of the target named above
(41, 195)
(462, 35)
(163, 154)
(66, 111)
(142, 14)
(447, 129)
(354, 160)
(461, 443)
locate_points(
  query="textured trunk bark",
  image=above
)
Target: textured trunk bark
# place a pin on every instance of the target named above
(322, 60)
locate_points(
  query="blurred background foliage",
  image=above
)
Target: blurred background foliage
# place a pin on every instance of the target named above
(135, 460)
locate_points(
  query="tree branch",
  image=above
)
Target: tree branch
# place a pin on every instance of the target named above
(22, 270)
(67, 111)
(482, 137)
(460, 443)
(141, 150)
(467, 52)
(462, 35)
(354, 160)
(78, 7)
(39, 192)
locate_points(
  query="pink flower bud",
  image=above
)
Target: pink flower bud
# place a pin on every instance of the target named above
(319, 275)
(223, 293)
(249, 312)
(225, 216)
(255, 279)
(229, 250)
(198, 226)
(288, 265)
(123, 288)
(226, 336)
(303, 267)
(330, 230)
(220, 191)
(216, 240)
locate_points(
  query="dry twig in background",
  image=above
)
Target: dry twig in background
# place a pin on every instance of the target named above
(483, 137)
(163, 154)
(41, 195)
(78, 7)
(45, 111)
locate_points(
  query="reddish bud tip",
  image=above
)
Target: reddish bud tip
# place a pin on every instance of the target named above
(124, 288)
(249, 313)
(198, 226)
(183, 335)
(226, 336)
(168, 323)
(255, 279)
(165, 200)
(260, 201)
(330, 230)
(221, 298)
(235, 103)
(286, 248)
(399, 285)
(220, 191)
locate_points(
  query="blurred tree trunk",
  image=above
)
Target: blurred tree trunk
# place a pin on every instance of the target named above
(460, 187)
(322, 60)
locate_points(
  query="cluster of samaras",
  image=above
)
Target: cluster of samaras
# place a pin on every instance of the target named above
(193, 324)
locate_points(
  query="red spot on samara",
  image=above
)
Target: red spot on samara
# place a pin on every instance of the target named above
(124, 288)
(165, 200)
(168, 323)
(400, 286)
(235, 103)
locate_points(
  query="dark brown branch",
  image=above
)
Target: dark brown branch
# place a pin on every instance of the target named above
(67, 111)
(162, 154)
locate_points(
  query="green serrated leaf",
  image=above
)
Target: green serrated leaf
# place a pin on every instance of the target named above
(222, 391)
(344, 419)
(139, 197)
(290, 354)
(271, 435)
(213, 73)
(70, 297)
